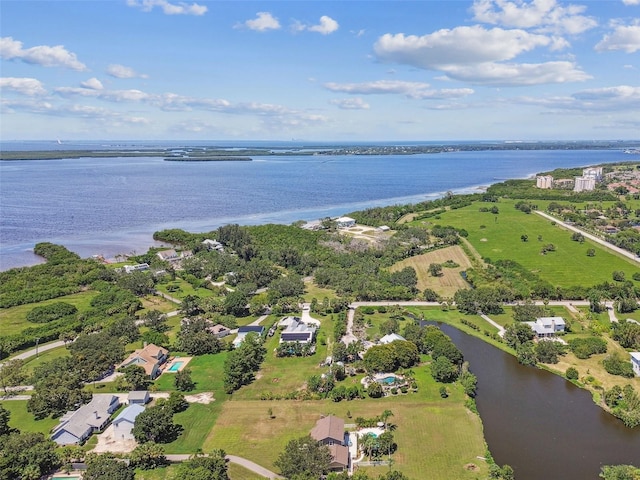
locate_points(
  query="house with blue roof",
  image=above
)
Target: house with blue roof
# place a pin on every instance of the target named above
(123, 423)
(243, 331)
(78, 425)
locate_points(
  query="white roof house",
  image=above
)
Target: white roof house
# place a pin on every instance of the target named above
(390, 337)
(297, 331)
(78, 425)
(547, 326)
(345, 222)
(635, 363)
(123, 423)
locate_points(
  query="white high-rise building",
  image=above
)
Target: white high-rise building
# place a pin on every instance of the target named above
(595, 172)
(544, 181)
(584, 184)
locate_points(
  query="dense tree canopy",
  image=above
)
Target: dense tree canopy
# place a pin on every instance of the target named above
(304, 459)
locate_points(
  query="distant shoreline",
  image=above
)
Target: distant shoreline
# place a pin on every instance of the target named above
(221, 153)
(209, 159)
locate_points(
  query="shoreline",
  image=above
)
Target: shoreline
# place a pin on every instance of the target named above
(130, 240)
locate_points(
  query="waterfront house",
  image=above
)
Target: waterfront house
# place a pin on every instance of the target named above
(78, 425)
(168, 255)
(330, 431)
(545, 327)
(123, 423)
(243, 331)
(213, 245)
(345, 222)
(140, 267)
(151, 358)
(635, 363)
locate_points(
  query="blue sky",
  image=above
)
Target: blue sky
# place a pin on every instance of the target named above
(323, 71)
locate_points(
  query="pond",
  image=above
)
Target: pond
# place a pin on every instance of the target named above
(539, 423)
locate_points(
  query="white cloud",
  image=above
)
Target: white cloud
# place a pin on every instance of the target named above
(542, 15)
(378, 87)
(326, 26)
(416, 90)
(624, 37)
(631, 2)
(617, 99)
(120, 71)
(264, 21)
(350, 103)
(43, 55)
(473, 44)
(517, 74)
(180, 8)
(25, 86)
(93, 83)
(475, 54)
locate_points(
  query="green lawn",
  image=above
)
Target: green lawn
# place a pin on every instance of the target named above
(206, 372)
(440, 435)
(45, 357)
(498, 237)
(197, 421)
(184, 289)
(23, 420)
(14, 319)
(311, 291)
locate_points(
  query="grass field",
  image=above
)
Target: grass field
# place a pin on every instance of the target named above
(154, 302)
(45, 357)
(184, 289)
(311, 291)
(498, 237)
(197, 421)
(446, 284)
(441, 434)
(24, 421)
(206, 372)
(14, 319)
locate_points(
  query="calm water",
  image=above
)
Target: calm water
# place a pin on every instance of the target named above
(110, 206)
(540, 424)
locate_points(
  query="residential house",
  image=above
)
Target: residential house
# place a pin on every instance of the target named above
(391, 337)
(123, 423)
(213, 245)
(140, 267)
(138, 397)
(330, 431)
(243, 331)
(76, 426)
(168, 255)
(545, 327)
(297, 331)
(151, 358)
(220, 330)
(635, 363)
(345, 222)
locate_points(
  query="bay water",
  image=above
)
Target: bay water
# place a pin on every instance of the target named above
(112, 206)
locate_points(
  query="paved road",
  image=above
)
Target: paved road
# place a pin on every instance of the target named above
(248, 464)
(602, 242)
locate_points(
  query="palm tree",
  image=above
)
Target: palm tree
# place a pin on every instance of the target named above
(384, 416)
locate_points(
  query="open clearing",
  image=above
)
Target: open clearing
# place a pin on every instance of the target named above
(450, 280)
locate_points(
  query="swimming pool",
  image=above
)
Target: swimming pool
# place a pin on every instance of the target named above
(175, 366)
(388, 380)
